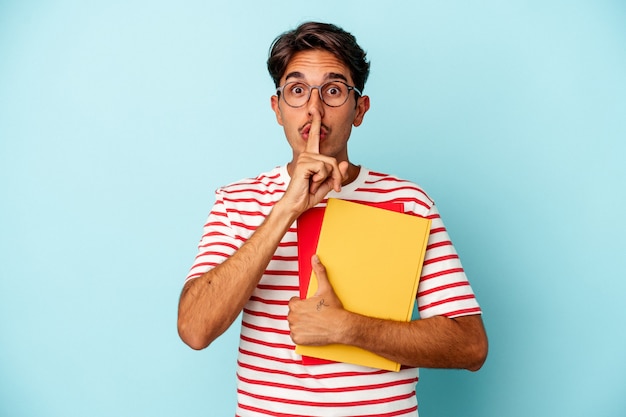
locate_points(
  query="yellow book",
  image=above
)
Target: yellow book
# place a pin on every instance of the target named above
(373, 258)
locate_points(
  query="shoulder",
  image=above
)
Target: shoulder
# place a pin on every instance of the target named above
(270, 180)
(264, 189)
(394, 188)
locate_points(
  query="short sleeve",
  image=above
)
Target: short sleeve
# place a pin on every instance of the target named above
(218, 241)
(444, 289)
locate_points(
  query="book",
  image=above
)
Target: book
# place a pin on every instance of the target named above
(308, 232)
(373, 257)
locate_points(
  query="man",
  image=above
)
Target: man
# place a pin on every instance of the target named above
(248, 261)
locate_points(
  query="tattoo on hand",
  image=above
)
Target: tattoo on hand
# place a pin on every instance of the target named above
(321, 304)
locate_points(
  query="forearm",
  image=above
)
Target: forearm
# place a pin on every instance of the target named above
(436, 342)
(209, 304)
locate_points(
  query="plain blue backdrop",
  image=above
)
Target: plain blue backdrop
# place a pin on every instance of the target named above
(118, 119)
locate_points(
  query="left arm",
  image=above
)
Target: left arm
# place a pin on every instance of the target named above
(435, 342)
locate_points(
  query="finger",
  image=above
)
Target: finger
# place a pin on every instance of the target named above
(323, 285)
(313, 142)
(340, 175)
(330, 176)
(322, 175)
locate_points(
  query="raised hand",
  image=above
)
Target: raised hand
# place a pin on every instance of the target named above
(314, 175)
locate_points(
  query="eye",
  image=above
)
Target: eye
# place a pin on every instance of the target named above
(334, 90)
(297, 89)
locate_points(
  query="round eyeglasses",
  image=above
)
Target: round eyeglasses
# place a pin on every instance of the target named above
(332, 93)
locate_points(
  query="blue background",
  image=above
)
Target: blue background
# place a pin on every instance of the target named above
(118, 120)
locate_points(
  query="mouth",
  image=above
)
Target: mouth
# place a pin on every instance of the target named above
(305, 130)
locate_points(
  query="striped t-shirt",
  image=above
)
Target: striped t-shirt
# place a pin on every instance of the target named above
(271, 380)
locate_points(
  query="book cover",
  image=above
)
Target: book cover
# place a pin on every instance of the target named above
(308, 231)
(373, 258)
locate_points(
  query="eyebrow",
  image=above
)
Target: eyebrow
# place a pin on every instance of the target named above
(327, 77)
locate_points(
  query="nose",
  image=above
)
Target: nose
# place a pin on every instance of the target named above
(315, 101)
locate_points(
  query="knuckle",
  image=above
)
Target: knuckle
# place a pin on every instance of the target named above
(293, 305)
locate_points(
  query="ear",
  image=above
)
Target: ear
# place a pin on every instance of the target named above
(362, 106)
(274, 103)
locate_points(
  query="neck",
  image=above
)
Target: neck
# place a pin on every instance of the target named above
(353, 172)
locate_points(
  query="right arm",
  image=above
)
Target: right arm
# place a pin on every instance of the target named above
(209, 304)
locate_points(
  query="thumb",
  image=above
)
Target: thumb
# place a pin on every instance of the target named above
(323, 285)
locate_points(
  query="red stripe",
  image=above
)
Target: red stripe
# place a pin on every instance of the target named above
(281, 273)
(246, 213)
(399, 200)
(265, 329)
(278, 287)
(329, 390)
(441, 273)
(250, 200)
(214, 253)
(270, 302)
(285, 258)
(440, 259)
(266, 412)
(216, 214)
(215, 223)
(464, 312)
(272, 345)
(264, 314)
(413, 200)
(243, 239)
(389, 190)
(228, 245)
(448, 300)
(195, 275)
(267, 358)
(439, 244)
(219, 234)
(270, 177)
(211, 264)
(262, 180)
(245, 226)
(248, 189)
(380, 174)
(299, 375)
(393, 413)
(275, 414)
(442, 288)
(328, 404)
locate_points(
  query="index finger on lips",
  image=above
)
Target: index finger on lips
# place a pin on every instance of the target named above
(313, 141)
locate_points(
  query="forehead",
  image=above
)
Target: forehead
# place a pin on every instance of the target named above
(316, 66)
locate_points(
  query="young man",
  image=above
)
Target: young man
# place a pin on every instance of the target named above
(248, 258)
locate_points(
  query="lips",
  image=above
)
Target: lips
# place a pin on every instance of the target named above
(304, 131)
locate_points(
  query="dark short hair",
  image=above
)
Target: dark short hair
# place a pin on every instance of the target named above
(324, 36)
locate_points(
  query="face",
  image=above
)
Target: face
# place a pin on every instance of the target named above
(316, 67)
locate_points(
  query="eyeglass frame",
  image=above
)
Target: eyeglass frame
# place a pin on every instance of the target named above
(279, 92)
